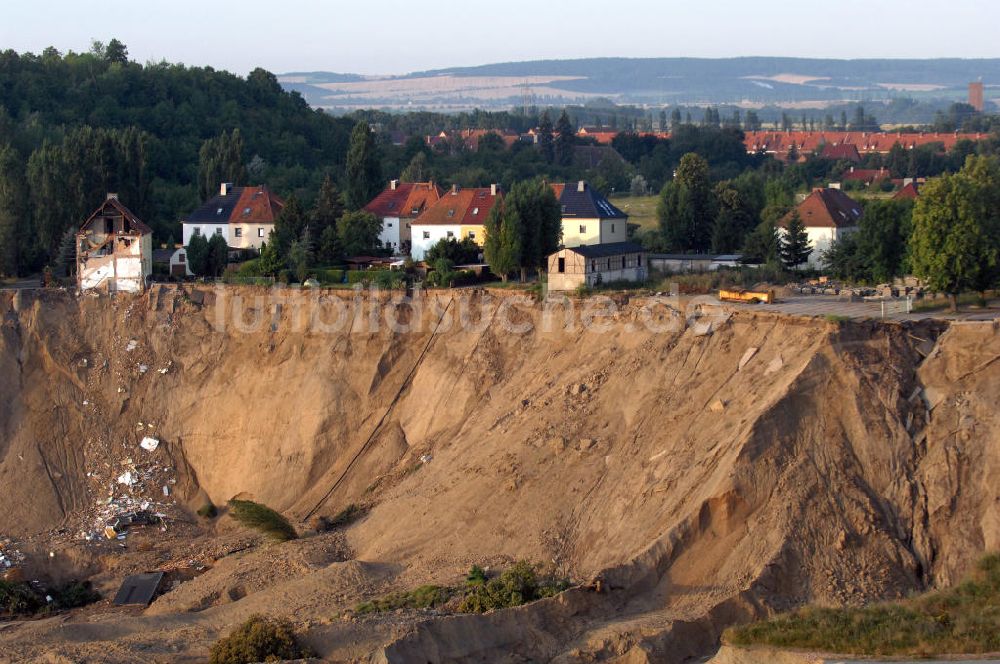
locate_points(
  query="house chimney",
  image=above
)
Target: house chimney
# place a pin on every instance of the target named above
(112, 197)
(225, 188)
(454, 189)
(392, 184)
(493, 190)
(581, 186)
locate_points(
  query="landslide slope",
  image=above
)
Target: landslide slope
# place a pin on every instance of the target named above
(686, 480)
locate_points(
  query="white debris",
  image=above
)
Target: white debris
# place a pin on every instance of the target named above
(149, 444)
(131, 345)
(164, 370)
(426, 458)
(127, 478)
(166, 490)
(143, 368)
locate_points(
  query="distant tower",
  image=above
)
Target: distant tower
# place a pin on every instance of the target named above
(976, 100)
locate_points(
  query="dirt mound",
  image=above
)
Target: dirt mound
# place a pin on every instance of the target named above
(709, 471)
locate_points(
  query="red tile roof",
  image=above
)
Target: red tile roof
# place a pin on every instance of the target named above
(407, 200)
(841, 152)
(827, 208)
(866, 175)
(461, 206)
(256, 205)
(910, 191)
(780, 142)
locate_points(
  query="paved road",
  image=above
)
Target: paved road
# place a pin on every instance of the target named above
(831, 305)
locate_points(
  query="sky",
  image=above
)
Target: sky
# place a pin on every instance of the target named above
(397, 36)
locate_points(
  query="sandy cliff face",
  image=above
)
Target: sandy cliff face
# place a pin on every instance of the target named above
(701, 478)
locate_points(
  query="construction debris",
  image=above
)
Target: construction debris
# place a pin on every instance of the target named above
(149, 444)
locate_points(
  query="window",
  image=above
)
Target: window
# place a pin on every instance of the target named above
(238, 232)
(612, 228)
(475, 211)
(218, 212)
(562, 264)
(180, 257)
(427, 235)
(260, 232)
(389, 225)
(593, 266)
(246, 212)
(451, 212)
(197, 231)
(640, 260)
(450, 234)
(623, 262)
(583, 229)
(472, 235)
(218, 231)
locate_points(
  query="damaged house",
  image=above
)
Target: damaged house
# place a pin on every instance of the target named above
(114, 249)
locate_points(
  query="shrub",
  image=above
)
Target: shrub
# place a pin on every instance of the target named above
(18, 599)
(73, 594)
(262, 518)
(424, 597)
(517, 585)
(259, 639)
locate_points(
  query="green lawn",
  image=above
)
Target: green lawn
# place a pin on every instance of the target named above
(640, 209)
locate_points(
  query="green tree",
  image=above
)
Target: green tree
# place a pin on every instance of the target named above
(197, 255)
(364, 172)
(546, 143)
(459, 253)
(329, 207)
(686, 210)
(288, 226)
(220, 160)
(882, 239)
(761, 246)
(359, 233)
(523, 229)
(217, 257)
(271, 261)
(954, 244)
(794, 249)
(116, 52)
(13, 199)
(417, 170)
(565, 140)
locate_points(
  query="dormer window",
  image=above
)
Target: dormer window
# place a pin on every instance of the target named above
(246, 212)
(451, 213)
(475, 211)
(218, 212)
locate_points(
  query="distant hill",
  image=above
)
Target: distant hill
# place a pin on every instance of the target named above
(655, 81)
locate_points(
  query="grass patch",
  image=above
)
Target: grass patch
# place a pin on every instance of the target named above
(519, 584)
(961, 620)
(837, 318)
(424, 597)
(259, 639)
(262, 518)
(964, 300)
(641, 210)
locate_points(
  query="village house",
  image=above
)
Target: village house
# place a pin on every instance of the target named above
(592, 265)
(458, 214)
(827, 215)
(588, 217)
(114, 249)
(243, 216)
(397, 206)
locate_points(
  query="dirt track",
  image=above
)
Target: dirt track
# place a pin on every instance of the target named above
(701, 481)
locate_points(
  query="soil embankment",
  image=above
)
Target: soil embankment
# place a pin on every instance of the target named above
(694, 474)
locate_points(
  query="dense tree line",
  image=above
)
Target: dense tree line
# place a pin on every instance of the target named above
(75, 126)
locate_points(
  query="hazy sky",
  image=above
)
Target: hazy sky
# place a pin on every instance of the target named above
(397, 36)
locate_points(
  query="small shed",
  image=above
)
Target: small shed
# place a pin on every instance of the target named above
(592, 265)
(673, 263)
(179, 265)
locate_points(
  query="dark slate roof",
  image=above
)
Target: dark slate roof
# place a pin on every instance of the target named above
(604, 250)
(241, 204)
(138, 589)
(586, 204)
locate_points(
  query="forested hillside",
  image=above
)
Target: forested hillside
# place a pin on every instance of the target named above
(76, 126)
